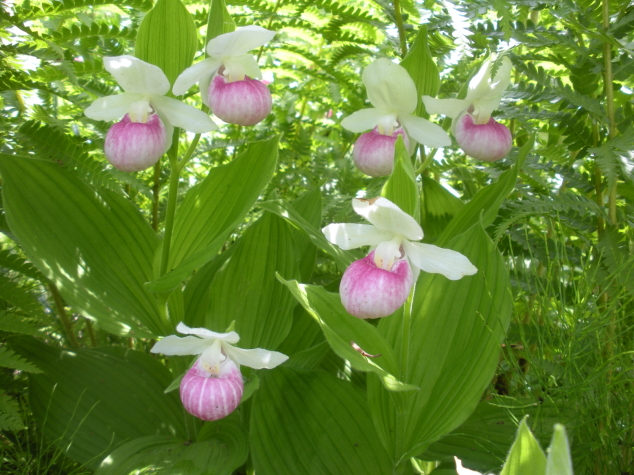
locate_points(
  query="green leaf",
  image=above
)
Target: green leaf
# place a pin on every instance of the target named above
(221, 448)
(341, 329)
(309, 207)
(526, 456)
(167, 38)
(311, 423)
(96, 248)
(14, 324)
(213, 208)
(90, 401)
(10, 418)
(450, 349)
(559, 461)
(21, 297)
(11, 260)
(220, 20)
(245, 288)
(9, 359)
(438, 208)
(485, 204)
(422, 69)
(286, 211)
(401, 188)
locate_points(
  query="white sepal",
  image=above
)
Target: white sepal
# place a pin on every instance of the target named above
(112, 107)
(425, 132)
(239, 42)
(351, 235)
(135, 75)
(256, 358)
(174, 345)
(183, 115)
(449, 107)
(389, 86)
(437, 260)
(199, 71)
(388, 217)
(364, 119)
(231, 337)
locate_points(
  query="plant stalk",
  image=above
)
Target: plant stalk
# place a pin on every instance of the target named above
(609, 103)
(399, 26)
(63, 316)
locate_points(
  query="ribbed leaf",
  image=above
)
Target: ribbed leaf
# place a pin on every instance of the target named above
(401, 188)
(311, 423)
(90, 401)
(422, 69)
(526, 456)
(220, 20)
(96, 248)
(559, 462)
(439, 206)
(309, 207)
(167, 38)
(451, 348)
(246, 290)
(342, 329)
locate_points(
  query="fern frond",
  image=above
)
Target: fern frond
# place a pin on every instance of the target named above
(52, 8)
(12, 261)
(20, 296)
(614, 157)
(9, 359)
(10, 418)
(96, 29)
(13, 323)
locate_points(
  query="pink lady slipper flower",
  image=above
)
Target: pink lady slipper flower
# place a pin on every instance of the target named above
(476, 132)
(393, 95)
(149, 117)
(229, 78)
(377, 285)
(213, 387)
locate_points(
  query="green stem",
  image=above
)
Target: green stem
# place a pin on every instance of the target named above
(428, 159)
(609, 93)
(189, 153)
(63, 317)
(156, 190)
(172, 195)
(399, 26)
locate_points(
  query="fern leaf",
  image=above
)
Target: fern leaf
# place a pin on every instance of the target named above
(614, 157)
(96, 29)
(14, 262)
(48, 9)
(20, 296)
(13, 323)
(9, 359)
(10, 418)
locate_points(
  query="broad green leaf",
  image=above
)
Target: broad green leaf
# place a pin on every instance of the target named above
(311, 423)
(559, 461)
(526, 456)
(286, 211)
(245, 288)
(220, 20)
(90, 401)
(487, 200)
(221, 448)
(167, 38)
(213, 208)
(342, 329)
(450, 349)
(401, 188)
(305, 333)
(422, 69)
(95, 247)
(309, 207)
(439, 206)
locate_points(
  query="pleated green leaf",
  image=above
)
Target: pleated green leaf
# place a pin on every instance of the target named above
(245, 288)
(213, 208)
(167, 38)
(484, 206)
(342, 330)
(95, 247)
(438, 208)
(90, 401)
(526, 456)
(311, 423)
(309, 206)
(401, 188)
(286, 211)
(422, 69)
(220, 20)
(559, 461)
(450, 349)
(223, 448)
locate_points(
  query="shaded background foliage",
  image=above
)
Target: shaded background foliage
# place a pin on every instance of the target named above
(564, 231)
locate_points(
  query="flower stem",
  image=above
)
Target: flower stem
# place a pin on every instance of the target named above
(609, 103)
(63, 316)
(156, 191)
(399, 26)
(172, 194)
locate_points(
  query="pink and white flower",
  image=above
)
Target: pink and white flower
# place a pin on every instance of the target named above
(213, 386)
(393, 94)
(392, 236)
(229, 77)
(476, 132)
(149, 117)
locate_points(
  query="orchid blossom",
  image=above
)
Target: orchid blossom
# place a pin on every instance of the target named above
(149, 117)
(213, 386)
(476, 132)
(234, 94)
(392, 236)
(393, 94)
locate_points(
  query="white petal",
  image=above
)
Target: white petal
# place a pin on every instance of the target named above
(257, 358)
(231, 337)
(424, 131)
(365, 119)
(386, 253)
(174, 345)
(212, 357)
(449, 107)
(111, 107)
(437, 260)
(389, 86)
(502, 77)
(351, 236)
(479, 85)
(237, 67)
(193, 74)
(134, 75)
(239, 42)
(183, 115)
(388, 217)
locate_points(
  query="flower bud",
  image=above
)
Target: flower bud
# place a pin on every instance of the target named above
(134, 146)
(244, 102)
(210, 397)
(373, 152)
(367, 291)
(489, 142)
